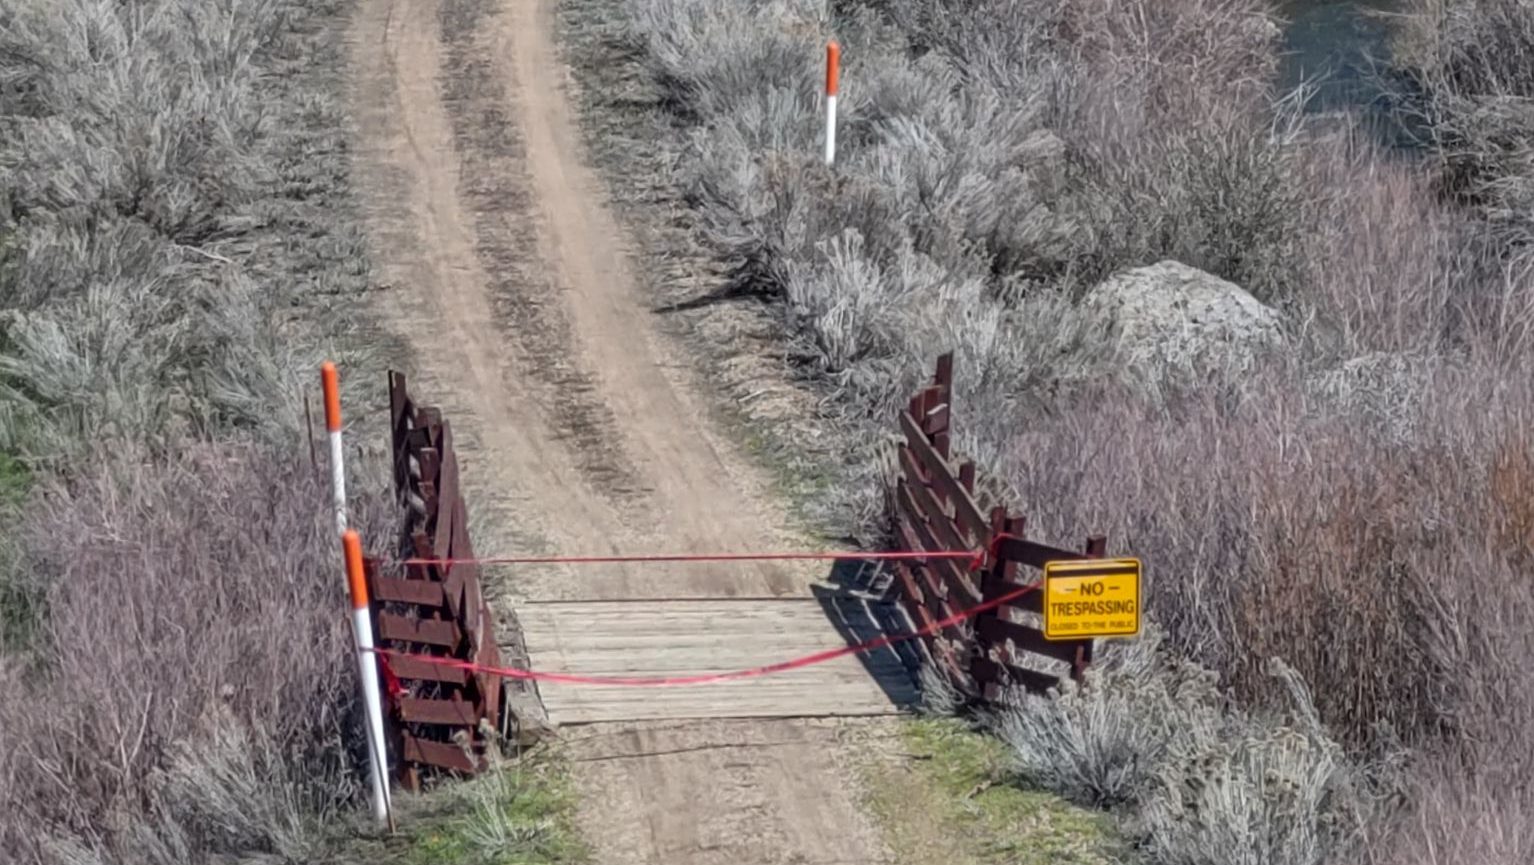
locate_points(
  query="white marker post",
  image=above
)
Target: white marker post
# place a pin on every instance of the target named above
(351, 553)
(331, 384)
(833, 80)
(351, 544)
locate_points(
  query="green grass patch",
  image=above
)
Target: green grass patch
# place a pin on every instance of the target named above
(514, 816)
(950, 797)
(521, 812)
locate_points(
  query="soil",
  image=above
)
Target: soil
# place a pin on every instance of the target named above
(580, 426)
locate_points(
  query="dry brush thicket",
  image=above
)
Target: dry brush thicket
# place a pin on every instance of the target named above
(1355, 506)
(175, 256)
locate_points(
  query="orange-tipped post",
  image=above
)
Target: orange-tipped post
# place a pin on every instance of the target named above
(330, 382)
(833, 67)
(833, 84)
(351, 542)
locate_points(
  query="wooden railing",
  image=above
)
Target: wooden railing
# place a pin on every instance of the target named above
(439, 713)
(935, 509)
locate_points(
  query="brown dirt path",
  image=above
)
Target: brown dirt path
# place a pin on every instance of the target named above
(576, 422)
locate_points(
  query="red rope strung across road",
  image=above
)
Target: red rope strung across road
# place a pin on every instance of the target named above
(706, 678)
(974, 558)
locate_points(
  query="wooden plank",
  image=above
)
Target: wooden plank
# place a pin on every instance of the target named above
(1032, 602)
(427, 593)
(440, 754)
(1025, 639)
(448, 492)
(421, 544)
(912, 589)
(1032, 554)
(432, 632)
(425, 671)
(428, 465)
(943, 377)
(936, 421)
(988, 670)
(700, 636)
(417, 710)
(399, 406)
(467, 574)
(966, 512)
(943, 528)
(488, 655)
(959, 580)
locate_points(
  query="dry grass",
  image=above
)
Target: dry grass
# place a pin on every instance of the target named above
(1470, 62)
(188, 694)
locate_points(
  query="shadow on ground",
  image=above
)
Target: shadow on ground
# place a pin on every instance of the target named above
(856, 599)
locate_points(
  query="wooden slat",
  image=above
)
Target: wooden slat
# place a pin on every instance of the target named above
(912, 589)
(987, 670)
(1032, 554)
(440, 754)
(410, 668)
(967, 513)
(959, 580)
(1032, 602)
(447, 491)
(489, 686)
(943, 376)
(936, 420)
(424, 592)
(399, 405)
(947, 535)
(392, 626)
(466, 592)
(1025, 639)
(416, 710)
(420, 542)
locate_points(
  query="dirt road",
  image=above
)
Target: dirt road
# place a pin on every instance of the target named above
(578, 424)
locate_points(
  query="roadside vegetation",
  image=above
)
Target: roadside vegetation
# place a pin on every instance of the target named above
(176, 257)
(1336, 535)
(518, 813)
(949, 793)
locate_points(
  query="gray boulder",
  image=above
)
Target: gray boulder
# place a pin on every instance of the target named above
(1168, 319)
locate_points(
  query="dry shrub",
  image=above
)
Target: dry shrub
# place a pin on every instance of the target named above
(1472, 66)
(1389, 566)
(1200, 782)
(191, 692)
(1458, 816)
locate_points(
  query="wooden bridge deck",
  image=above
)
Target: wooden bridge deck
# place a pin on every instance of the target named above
(676, 638)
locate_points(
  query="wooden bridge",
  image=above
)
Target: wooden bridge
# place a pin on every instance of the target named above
(432, 606)
(678, 638)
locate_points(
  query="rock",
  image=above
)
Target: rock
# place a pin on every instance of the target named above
(1169, 318)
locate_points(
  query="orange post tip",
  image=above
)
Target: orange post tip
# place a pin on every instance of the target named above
(330, 381)
(833, 67)
(351, 542)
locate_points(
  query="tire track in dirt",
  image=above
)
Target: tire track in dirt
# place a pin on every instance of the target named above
(510, 279)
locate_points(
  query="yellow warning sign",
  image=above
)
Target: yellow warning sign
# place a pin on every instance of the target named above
(1091, 598)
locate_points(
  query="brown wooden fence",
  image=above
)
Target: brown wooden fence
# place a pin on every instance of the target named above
(434, 609)
(936, 509)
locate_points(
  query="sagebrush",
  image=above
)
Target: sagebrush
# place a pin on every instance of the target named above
(1345, 506)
